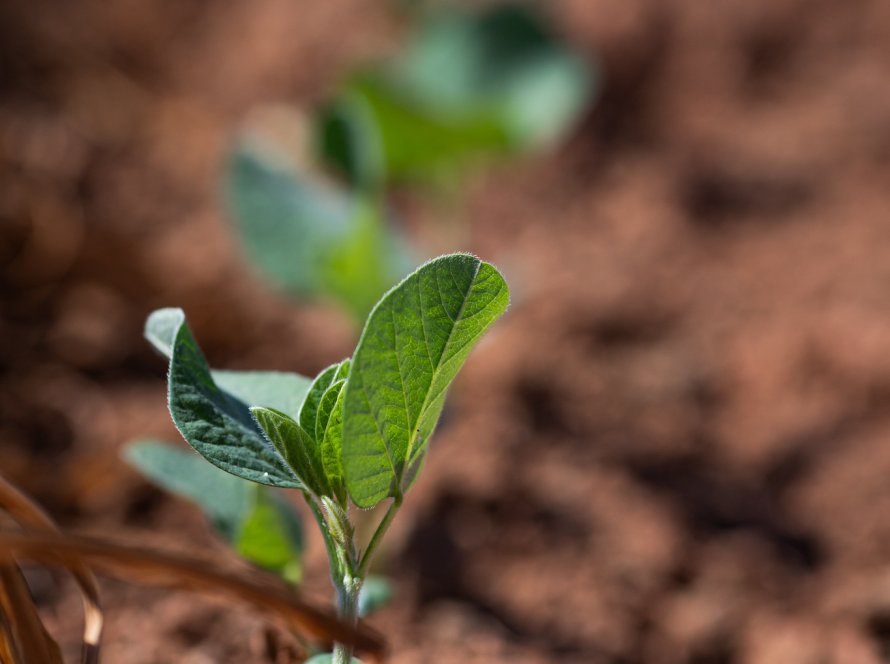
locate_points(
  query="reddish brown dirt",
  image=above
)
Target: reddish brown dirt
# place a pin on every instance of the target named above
(676, 447)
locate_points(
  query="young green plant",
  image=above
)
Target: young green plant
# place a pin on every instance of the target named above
(359, 434)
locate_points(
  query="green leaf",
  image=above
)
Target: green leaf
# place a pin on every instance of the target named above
(506, 59)
(332, 440)
(282, 390)
(470, 85)
(217, 424)
(161, 327)
(299, 449)
(223, 497)
(307, 236)
(286, 222)
(309, 409)
(412, 347)
(326, 408)
(271, 535)
(376, 593)
(415, 143)
(261, 526)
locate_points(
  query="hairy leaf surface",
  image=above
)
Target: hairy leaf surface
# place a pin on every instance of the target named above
(214, 422)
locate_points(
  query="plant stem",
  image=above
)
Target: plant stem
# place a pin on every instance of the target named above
(348, 591)
(347, 572)
(378, 535)
(328, 540)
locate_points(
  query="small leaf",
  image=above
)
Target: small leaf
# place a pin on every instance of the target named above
(412, 347)
(332, 448)
(263, 527)
(505, 59)
(309, 409)
(343, 369)
(271, 535)
(376, 593)
(298, 448)
(417, 144)
(326, 408)
(218, 425)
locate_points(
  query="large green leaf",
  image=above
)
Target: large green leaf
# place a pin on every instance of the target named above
(412, 347)
(259, 524)
(214, 422)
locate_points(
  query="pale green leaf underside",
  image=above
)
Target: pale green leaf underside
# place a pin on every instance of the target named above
(280, 390)
(224, 498)
(412, 347)
(262, 527)
(217, 424)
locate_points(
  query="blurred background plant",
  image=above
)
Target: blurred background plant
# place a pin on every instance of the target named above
(309, 190)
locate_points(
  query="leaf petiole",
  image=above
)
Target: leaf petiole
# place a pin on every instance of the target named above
(378, 535)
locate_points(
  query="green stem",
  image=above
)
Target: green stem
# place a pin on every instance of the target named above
(378, 535)
(326, 535)
(348, 591)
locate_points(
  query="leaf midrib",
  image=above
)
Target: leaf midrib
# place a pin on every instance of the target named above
(412, 432)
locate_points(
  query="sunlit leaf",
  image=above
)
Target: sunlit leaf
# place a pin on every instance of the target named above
(412, 347)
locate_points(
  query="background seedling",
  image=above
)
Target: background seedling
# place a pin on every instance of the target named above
(470, 86)
(359, 432)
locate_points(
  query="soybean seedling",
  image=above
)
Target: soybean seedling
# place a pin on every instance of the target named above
(357, 434)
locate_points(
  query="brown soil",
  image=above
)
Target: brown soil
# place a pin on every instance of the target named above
(675, 447)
